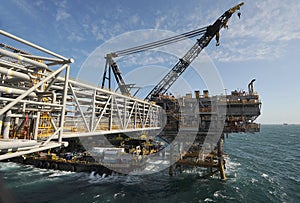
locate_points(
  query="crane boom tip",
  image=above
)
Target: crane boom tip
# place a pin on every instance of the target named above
(235, 8)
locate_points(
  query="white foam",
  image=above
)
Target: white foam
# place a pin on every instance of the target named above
(60, 173)
(216, 194)
(9, 166)
(96, 196)
(219, 194)
(208, 200)
(253, 180)
(92, 175)
(231, 166)
(119, 195)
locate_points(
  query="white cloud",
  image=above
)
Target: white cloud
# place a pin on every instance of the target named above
(134, 19)
(97, 32)
(148, 58)
(262, 33)
(270, 21)
(62, 13)
(39, 3)
(27, 8)
(75, 37)
(159, 21)
(244, 52)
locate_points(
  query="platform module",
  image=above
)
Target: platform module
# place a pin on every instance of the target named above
(204, 121)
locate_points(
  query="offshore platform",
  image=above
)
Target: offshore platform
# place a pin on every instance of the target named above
(42, 108)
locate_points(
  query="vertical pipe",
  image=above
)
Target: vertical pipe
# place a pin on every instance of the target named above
(36, 127)
(1, 123)
(144, 106)
(111, 112)
(7, 125)
(93, 111)
(109, 76)
(53, 97)
(63, 111)
(17, 120)
(125, 113)
(136, 105)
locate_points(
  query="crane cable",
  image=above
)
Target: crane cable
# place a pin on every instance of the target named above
(159, 43)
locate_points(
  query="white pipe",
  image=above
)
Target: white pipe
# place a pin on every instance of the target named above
(9, 90)
(53, 97)
(15, 65)
(30, 102)
(28, 151)
(8, 144)
(42, 58)
(12, 73)
(36, 127)
(1, 122)
(17, 121)
(6, 125)
(21, 58)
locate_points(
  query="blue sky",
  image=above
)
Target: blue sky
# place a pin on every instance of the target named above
(263, 44)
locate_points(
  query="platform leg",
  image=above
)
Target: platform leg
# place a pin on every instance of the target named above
(221, 158)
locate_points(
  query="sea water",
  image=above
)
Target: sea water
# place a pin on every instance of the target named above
(261, 167)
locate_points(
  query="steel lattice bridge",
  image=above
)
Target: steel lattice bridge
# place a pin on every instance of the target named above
(40, 104)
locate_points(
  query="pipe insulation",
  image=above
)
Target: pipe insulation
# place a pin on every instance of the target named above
(9, 90)
(22, 58)
(12, 73)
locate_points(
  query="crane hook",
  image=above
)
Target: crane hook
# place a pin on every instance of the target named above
(218, 38)
(239, 14)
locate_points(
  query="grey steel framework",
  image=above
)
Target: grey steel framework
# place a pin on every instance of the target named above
(39, 103)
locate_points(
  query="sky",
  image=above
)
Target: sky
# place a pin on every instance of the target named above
(263, 44)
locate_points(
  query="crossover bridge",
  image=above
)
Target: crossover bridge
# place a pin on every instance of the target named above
(39, 103)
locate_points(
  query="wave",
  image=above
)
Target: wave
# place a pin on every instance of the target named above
(6, 166)
(218, 194)
(57, 173)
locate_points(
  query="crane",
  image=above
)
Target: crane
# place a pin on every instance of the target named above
(211, 32)
(208, 33)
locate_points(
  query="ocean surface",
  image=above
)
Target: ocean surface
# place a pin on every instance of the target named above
(262, 167)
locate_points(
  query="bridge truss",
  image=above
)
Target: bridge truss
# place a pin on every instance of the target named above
(40, 104)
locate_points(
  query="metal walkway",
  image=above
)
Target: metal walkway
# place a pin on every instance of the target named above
(39, 103)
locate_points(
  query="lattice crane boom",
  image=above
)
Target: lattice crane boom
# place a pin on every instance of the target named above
(183, 63)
